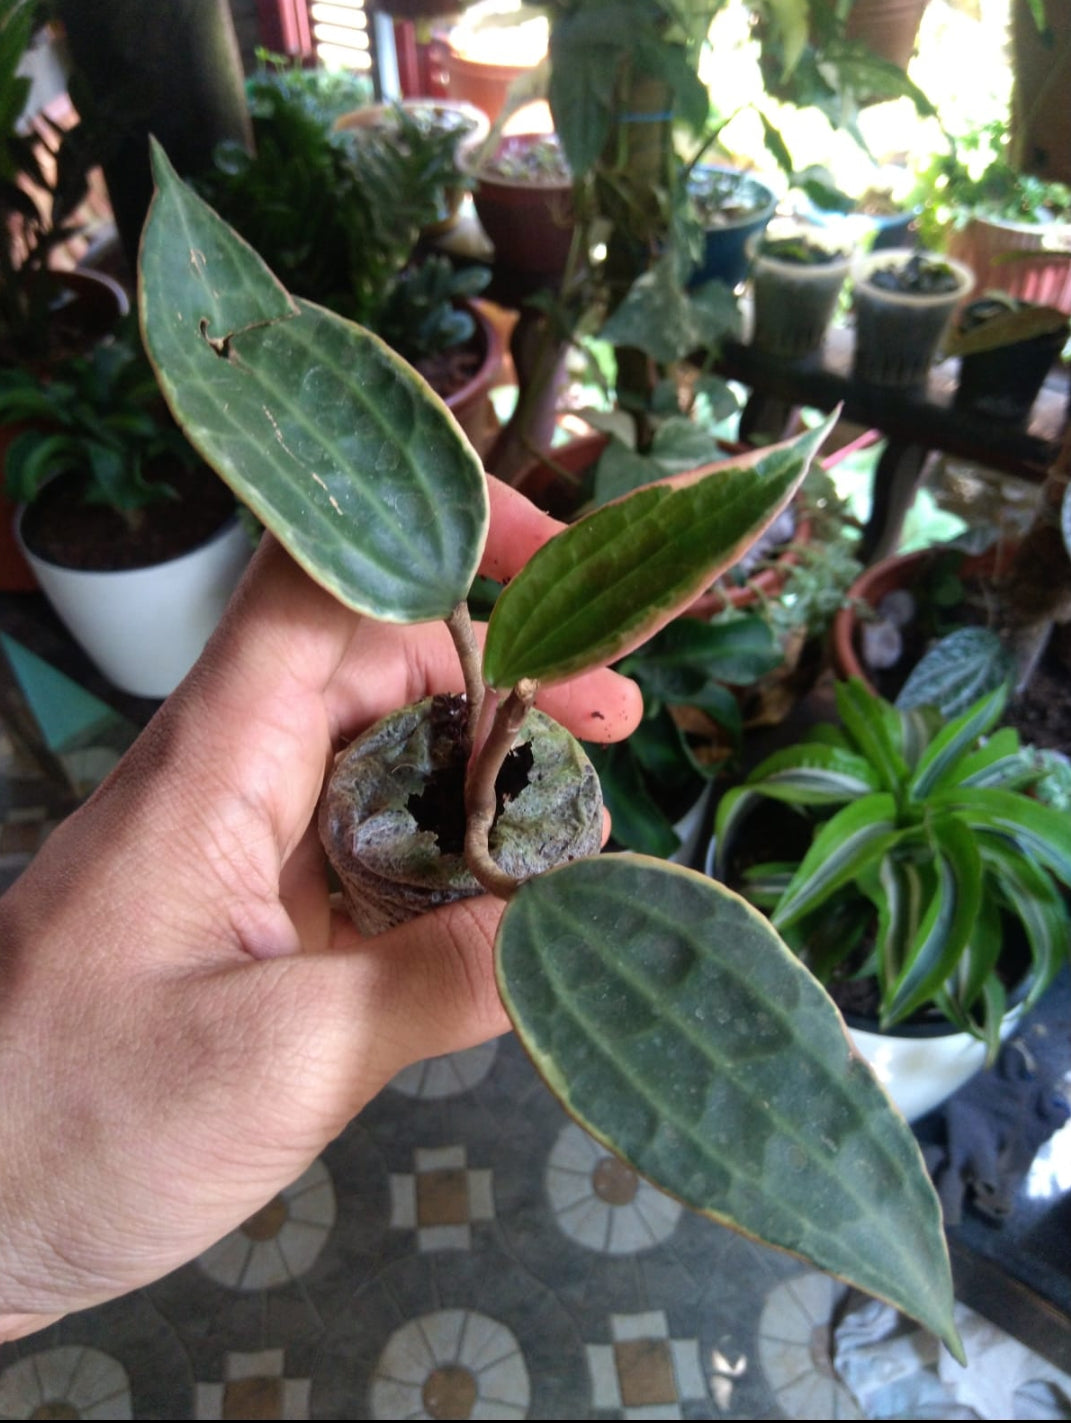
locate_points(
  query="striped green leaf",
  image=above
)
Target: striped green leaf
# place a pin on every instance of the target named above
(945, 931)
(1001, 762)
(875, 728)
(673, 1023)
(814, 775)
(942, 758)
(1040, 832)
(611, 580)
(335, 444)
(844, 848)
(1039, 906)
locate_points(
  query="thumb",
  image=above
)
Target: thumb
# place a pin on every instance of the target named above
(346, 1021)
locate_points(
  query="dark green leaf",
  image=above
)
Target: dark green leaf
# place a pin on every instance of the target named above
(956, 671)
(738, 650)
(675, 1025)
(637, 819)
(335, 444)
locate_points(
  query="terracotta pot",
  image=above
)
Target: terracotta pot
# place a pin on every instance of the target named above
(472, 125)
(95, 302)
(887, 27)
(902, 570)
(529, 223)
(984, 244)
(484, 85)
(471, 406)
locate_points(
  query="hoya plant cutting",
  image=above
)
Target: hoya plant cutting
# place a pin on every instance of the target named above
(663, 1011)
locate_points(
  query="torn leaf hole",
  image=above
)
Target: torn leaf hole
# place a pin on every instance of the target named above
(221, 345)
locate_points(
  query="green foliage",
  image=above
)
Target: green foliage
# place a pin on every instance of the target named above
(922, 846)
(100, 416)
(327, 94)
(607, 583)
(975, 178)
(956, 670)
(649, 780)
(337, 213)
(36, 212)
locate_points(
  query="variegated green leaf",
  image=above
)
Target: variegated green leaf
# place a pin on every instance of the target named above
(677, 1028)
(875, 728)
(987, 943)
(1001, 762)
(918, 727)
(1038, 904)
(814, 775)
(942, 758)
(1039, 831)
(610, 581)
(856, 838)
(336, 444)
(896, 893)
(945, 931)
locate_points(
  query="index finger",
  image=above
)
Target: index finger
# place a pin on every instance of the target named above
(517, 530)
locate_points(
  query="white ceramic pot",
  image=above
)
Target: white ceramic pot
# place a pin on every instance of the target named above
(920, 1072)
(145, 627)
(919, 1068)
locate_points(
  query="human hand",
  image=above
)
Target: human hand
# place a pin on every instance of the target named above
(184, 1020)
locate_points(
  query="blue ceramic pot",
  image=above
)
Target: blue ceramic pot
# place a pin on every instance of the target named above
(749, 205)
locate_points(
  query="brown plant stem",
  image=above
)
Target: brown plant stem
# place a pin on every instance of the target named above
(468, 653)
(480, 801)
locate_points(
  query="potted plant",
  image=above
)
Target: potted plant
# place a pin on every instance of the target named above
(394, 525)
(903, 301)
(731, 208)
(421, 125)
(132, 538)
(917, 878)
(523, 194)
(1011, 228)
(1004, 618)
(796, 280)
(45, 313)
(1006, 348)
